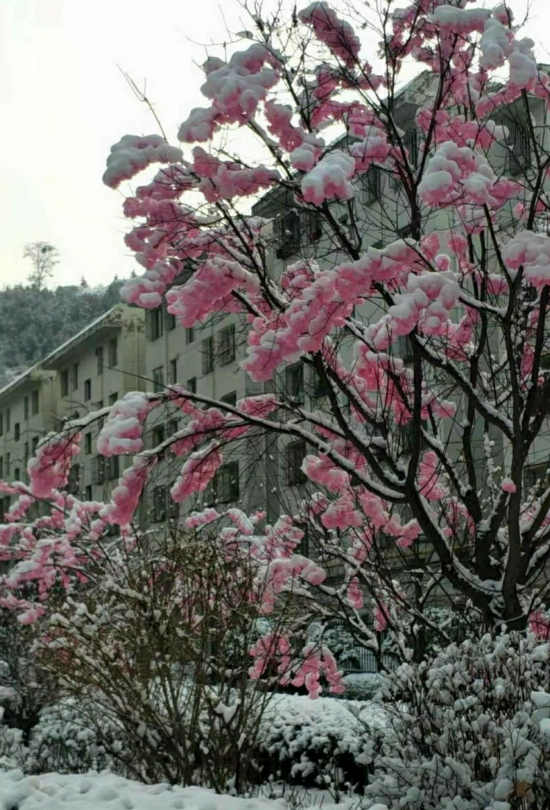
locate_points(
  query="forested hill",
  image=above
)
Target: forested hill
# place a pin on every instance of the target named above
(34, 321)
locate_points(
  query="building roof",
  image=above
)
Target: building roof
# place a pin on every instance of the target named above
(107, 324)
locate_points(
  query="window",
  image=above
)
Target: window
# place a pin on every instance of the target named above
(74, 376)
(173, 371)
(158, 434)
(88, 443)
(410, 142)
(225, 484)
(1, 424)
(159, 504)
(158, 378)
(294, 383)
(155, 323)
(26, 452)
(8, 465)
(113, 353)
(64, 380)
(230, 398)
(99, 359)
(170, 321)
(26, 408)
(17, 431)
(34, 444)
(172, 427)
(73, 484)
(295, 452)
(519, 147)
(87, 390)
(189, 334)
(1, 467)
(88, 492)
(35, 402)
(113, 398)
(98, 471)
(17, 474)
(295, 229)
(287, 233)
(537, 476)
(207, 349)
(112, 467)
(226, 345)
(372, 185)
(321, 385)
(192, 385)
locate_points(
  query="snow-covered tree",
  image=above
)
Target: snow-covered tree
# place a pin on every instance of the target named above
(43, 257)
(398, 248)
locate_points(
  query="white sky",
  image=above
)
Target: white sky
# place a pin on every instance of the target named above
(63, 103)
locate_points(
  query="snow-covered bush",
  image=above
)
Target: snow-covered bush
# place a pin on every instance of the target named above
(159, 647)
(467, 729)
(25, 687)
(326, 742)
(74, 737)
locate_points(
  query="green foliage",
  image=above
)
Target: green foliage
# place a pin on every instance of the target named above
(34, 321)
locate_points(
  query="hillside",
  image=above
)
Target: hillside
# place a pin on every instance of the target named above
(34, 321)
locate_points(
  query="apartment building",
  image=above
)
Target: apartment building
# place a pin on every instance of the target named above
(87, 372)
(27, 413)
(93, 369)
(206, 360)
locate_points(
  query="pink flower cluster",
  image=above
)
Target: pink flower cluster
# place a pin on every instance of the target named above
(122, 432)
(235, 87)
(197, 472)
(330, 179)
(317, 662)
(210, 290)
(428, 478)
(225, 180)
(134, 153)
(335, 33)
(50, 467)
(460, 174)
(125, 497)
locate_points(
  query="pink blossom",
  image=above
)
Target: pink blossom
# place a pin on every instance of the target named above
(337, 34)
(197, 472)
(122, 432)
(133, 153)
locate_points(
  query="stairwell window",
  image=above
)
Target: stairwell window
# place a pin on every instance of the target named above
(158, 379)
(207, 351)
(64, 382)
(295, 453)
(224, 487)
(113, 353)
(294, 383)
(226, 345)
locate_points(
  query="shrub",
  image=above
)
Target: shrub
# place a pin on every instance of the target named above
(325, 742)
(159, 646)
(74, 737)
(464, 729)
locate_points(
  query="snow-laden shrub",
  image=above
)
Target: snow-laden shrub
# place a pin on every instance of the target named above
(325, 742)
(468, 729)
(74, 737)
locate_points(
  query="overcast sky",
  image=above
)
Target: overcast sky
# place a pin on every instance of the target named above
(63, 103)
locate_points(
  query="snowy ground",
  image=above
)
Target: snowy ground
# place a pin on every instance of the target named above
(53, 791)
(106, 790)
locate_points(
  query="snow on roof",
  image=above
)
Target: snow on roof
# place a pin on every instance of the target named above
(110, 319)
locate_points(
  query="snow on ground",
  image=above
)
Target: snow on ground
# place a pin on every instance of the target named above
(53, 791)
